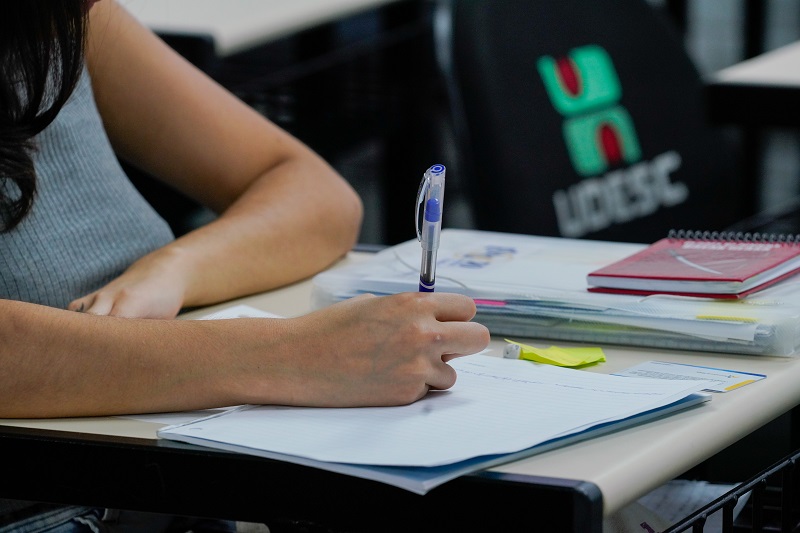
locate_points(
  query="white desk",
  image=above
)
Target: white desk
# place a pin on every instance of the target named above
(623, 465)
(760, 92)
(237, 25)
(779, 67)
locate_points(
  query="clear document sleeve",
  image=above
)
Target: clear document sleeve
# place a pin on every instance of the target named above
(536, 287)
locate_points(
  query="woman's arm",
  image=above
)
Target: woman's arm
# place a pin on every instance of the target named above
(365, 351)
(284, 213)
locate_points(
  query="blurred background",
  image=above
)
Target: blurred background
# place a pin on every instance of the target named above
(365, 92)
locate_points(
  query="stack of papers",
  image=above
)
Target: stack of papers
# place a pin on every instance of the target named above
(498, 410)
(531, 286)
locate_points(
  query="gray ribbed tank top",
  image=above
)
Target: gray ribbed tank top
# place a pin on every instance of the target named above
(88, 222)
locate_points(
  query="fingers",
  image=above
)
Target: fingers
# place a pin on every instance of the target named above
(79, 306)
(451, 335)
(450, 356)
(92, 304)
(455, 336)
(463, 338)
(451, 307)
(444, 377)
(362, 296)
(128, 302)
(96, 304)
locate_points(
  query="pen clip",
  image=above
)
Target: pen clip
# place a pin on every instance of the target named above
(424, 185)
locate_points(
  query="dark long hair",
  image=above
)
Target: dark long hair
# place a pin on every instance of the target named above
(41, 58)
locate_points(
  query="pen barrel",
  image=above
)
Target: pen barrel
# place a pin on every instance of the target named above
(427, 270)
(429, 239)
(430, 235)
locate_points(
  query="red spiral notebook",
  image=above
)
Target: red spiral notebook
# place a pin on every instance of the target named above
(715, 265)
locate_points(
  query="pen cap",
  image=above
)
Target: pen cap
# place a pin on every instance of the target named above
(512, 351)
(435, 179)
(430, 198)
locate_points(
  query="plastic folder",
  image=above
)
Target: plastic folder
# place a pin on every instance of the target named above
(534, 286)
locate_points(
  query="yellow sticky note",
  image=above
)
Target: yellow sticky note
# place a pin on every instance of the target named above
(560, 356)
(740, 384)
(726, 318)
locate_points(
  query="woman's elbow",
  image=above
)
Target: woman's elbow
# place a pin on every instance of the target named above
(350, 213)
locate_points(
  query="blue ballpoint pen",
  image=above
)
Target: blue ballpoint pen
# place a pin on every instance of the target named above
(431, 197)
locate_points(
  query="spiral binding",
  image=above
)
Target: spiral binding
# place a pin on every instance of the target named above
(733, 236)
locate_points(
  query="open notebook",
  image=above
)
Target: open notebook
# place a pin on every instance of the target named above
(499, 410)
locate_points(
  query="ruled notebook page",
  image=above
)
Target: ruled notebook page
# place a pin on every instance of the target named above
(497, 406)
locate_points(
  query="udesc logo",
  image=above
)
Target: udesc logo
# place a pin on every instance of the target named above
(616, 185)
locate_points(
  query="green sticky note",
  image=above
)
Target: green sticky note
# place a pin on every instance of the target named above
(561, 356)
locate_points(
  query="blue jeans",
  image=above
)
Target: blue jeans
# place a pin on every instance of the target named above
(53, 519)
(44, 518)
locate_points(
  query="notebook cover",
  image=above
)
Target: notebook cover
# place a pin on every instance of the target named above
(728, 266)
(716, 296)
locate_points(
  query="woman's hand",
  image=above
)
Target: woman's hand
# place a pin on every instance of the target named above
(153, 287)
(379, 350)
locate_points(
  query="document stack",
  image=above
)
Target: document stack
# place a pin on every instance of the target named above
(534, 286)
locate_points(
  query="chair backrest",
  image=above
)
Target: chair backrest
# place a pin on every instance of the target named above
(583, 118)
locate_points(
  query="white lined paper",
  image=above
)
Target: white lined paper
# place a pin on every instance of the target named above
(497, 406)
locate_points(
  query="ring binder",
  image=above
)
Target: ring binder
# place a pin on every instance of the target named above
(732, 236)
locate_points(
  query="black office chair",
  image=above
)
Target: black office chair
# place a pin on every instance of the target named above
(582, 118)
